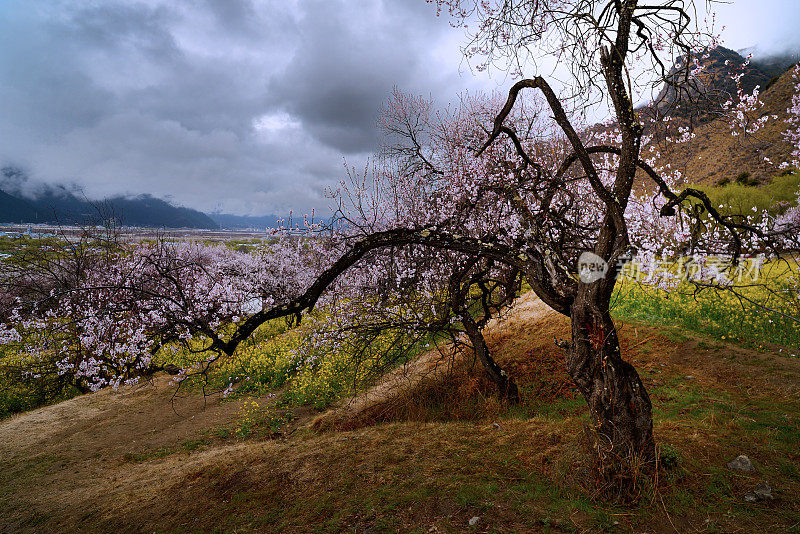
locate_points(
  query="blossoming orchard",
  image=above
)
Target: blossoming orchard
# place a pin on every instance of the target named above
(460, 209)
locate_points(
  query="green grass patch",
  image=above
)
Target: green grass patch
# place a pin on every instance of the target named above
(555, 410)
(740, 197)
(770, 316)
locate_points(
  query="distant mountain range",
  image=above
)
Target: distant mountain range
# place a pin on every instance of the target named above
(59, 205)
(55, 205)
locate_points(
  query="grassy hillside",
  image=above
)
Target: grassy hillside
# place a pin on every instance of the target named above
(714, 155)
(128, 461)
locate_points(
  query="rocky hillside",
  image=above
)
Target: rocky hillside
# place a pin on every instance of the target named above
(697, 96)
(714, 155)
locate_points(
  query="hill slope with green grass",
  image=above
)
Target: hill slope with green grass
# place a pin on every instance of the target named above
(430, 461)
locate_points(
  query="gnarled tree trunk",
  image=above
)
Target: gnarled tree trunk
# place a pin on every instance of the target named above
(505, 384)
(621, 413)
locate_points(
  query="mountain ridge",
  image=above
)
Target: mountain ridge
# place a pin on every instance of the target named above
(63, 207)
(59, 205)
(715, 156)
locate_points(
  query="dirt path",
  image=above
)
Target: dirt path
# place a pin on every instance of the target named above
(56, 458)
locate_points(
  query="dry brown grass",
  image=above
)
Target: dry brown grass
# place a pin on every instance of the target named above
(715, 154)
(122, 461)
(442, 385)
(446, 384)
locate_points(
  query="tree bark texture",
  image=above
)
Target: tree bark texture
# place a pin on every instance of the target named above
(505, 384)
(620, 408)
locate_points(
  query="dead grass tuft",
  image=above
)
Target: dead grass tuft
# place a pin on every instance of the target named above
(435, 387)
(447, 385)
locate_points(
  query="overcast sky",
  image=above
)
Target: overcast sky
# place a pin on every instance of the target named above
(242, 106)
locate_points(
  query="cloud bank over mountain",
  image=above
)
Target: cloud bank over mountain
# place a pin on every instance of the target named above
(240, 106)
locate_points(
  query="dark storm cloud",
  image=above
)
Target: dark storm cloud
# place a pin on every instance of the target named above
(247, 106)
(348, 60)
(239, 105)
(234, 15)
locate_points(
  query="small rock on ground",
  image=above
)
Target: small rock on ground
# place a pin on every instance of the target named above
(474, 521)
(762, 492)
(741, 463)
